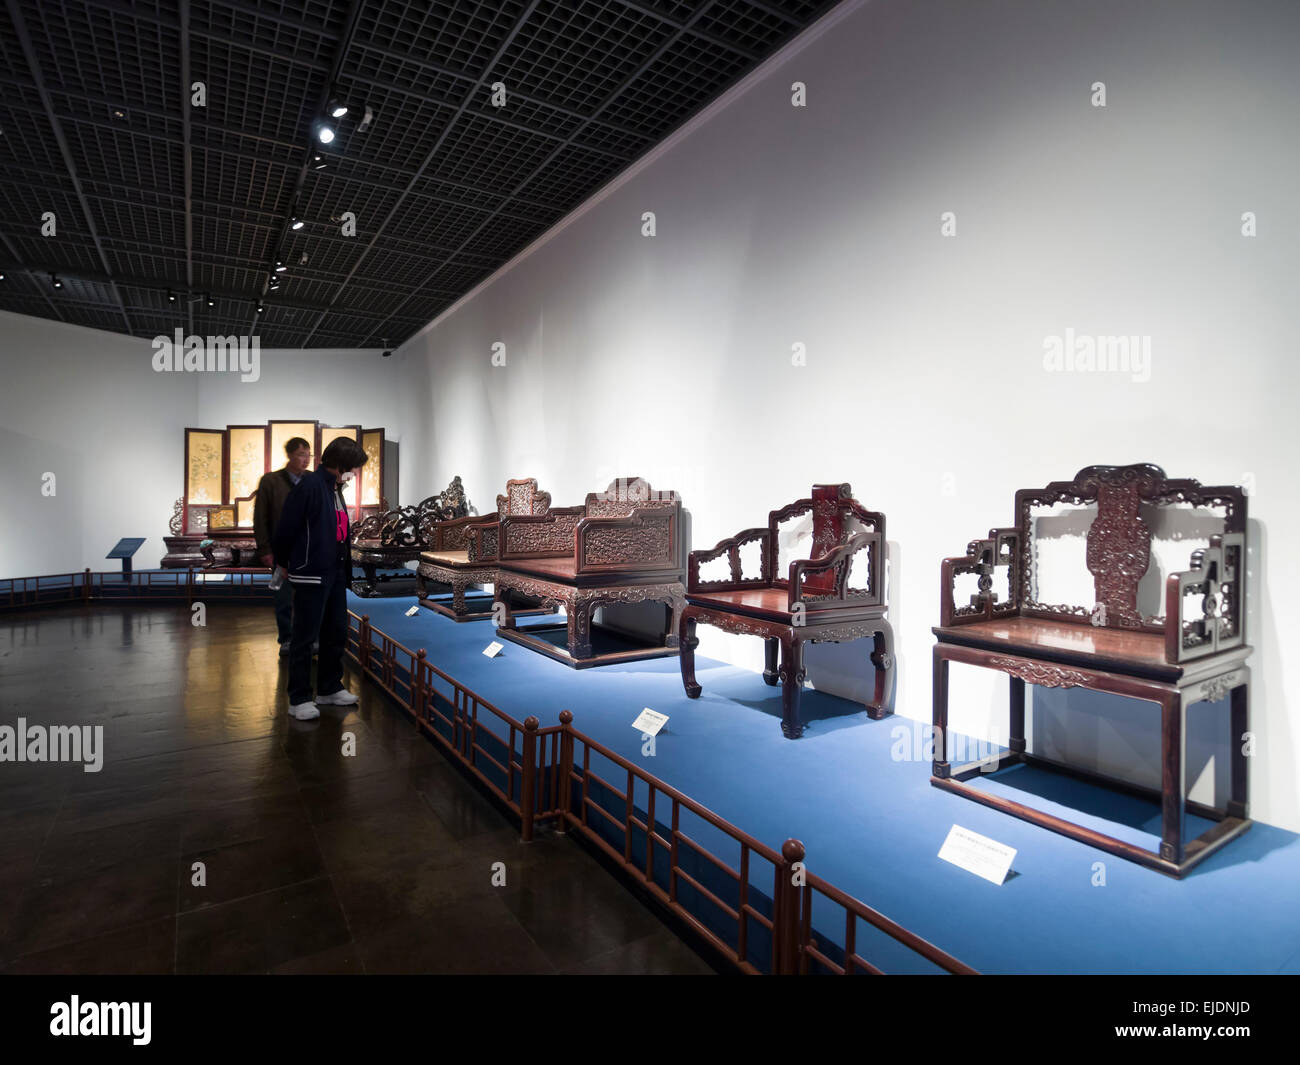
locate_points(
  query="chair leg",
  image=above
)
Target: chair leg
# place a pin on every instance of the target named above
(1173, 776)
(941, 767)
(688, 643)
(792, 678)
(1239, 801)
(1017, 738)
(771, 646)
(882, 657)
(458, 596)
(579, 629)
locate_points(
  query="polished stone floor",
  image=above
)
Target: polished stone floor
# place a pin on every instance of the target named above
(312, 860)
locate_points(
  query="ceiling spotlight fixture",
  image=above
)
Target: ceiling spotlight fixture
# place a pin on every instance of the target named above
(279, 266)
(54, 280)
(260, 308)
(303, 259)
(2, 275)
(275, 283)
(324, 132)
(296, 223)
(211, 301)
(336, 108)
(318, 162)
(366, 119)
(171, 296)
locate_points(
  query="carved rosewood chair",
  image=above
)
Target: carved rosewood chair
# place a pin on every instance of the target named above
(623, 546)
(465, 552)
(1195, 650)
(395, 537)
(812, 603)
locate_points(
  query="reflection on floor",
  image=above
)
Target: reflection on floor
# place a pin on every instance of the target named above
(311, 860)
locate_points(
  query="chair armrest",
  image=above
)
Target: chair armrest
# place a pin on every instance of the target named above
(1218, 576)
(731, 548)
(838, 559)
(482, 538)
(1001, 548)
(539, 535)
(647, 539)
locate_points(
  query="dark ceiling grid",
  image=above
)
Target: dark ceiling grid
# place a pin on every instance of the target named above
(445, 186)
(456, 52)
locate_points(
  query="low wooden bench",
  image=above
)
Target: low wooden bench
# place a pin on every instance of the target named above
(813, 603)
(464, 553)
(1194, 650)
(623, 546)
(398, 536)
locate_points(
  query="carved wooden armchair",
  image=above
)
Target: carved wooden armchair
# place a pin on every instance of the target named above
(394, 537)
(1185, 646)
(623, 546)
(463, 554)
(812, 602)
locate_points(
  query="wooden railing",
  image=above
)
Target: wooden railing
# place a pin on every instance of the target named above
(151, 585)
(546, 775)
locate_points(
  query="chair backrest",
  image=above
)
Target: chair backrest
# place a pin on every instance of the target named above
(626, 494)
(523, 497)
(834, 513)
(1118, 539)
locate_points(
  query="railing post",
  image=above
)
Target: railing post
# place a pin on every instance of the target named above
(363, 642)
(785, 911)
(566, 767)
(417, 687)
(528, 792)
(85, 586)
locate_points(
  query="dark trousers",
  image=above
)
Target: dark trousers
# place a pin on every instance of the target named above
(284, 611)
(320, 612)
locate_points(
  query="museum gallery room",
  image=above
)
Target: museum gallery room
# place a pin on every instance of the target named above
(640, 486)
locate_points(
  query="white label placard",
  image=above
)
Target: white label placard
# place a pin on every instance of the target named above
(413, 611)
(977, 854)
(493, 649)
(649, 722)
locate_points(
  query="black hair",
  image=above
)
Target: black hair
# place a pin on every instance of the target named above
(343, 454)
(294, 443)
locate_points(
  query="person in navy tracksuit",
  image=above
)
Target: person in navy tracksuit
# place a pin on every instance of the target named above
(313, 542)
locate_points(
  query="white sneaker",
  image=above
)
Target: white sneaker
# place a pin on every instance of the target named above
(342, 697)
(304, 711)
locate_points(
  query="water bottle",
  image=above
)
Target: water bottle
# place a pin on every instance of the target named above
(277, 578)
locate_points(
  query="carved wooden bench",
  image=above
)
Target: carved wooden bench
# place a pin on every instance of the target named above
(622, 546)
(397, 536)
(811, 603)
(1188, 646)
(463, 553)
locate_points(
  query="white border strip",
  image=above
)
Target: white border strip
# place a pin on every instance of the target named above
(823, 25)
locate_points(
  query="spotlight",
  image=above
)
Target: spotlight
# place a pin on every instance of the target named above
(366, 119)
(318, 162)
(336, 109)
(54, 280)
(171, 296)
(386, 353)
(2, 275)
(260, 308)
(279, 266)
(275, 283)
(324, 132)
(297, 223)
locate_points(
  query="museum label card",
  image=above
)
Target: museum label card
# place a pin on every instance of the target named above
(493, 649)
(649, 722)
(413, 611)
(977, 854)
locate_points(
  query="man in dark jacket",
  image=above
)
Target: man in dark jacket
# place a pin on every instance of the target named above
(272, 490)
(313, 543)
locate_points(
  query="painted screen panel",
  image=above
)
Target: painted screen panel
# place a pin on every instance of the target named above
(204, 450)
(247, 461)
(372, 473)
(282, 432)
(329, 433)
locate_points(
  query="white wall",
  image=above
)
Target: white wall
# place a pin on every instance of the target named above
(87, 406)
(670, 357)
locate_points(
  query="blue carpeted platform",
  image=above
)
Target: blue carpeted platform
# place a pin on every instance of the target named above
(872, 825)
